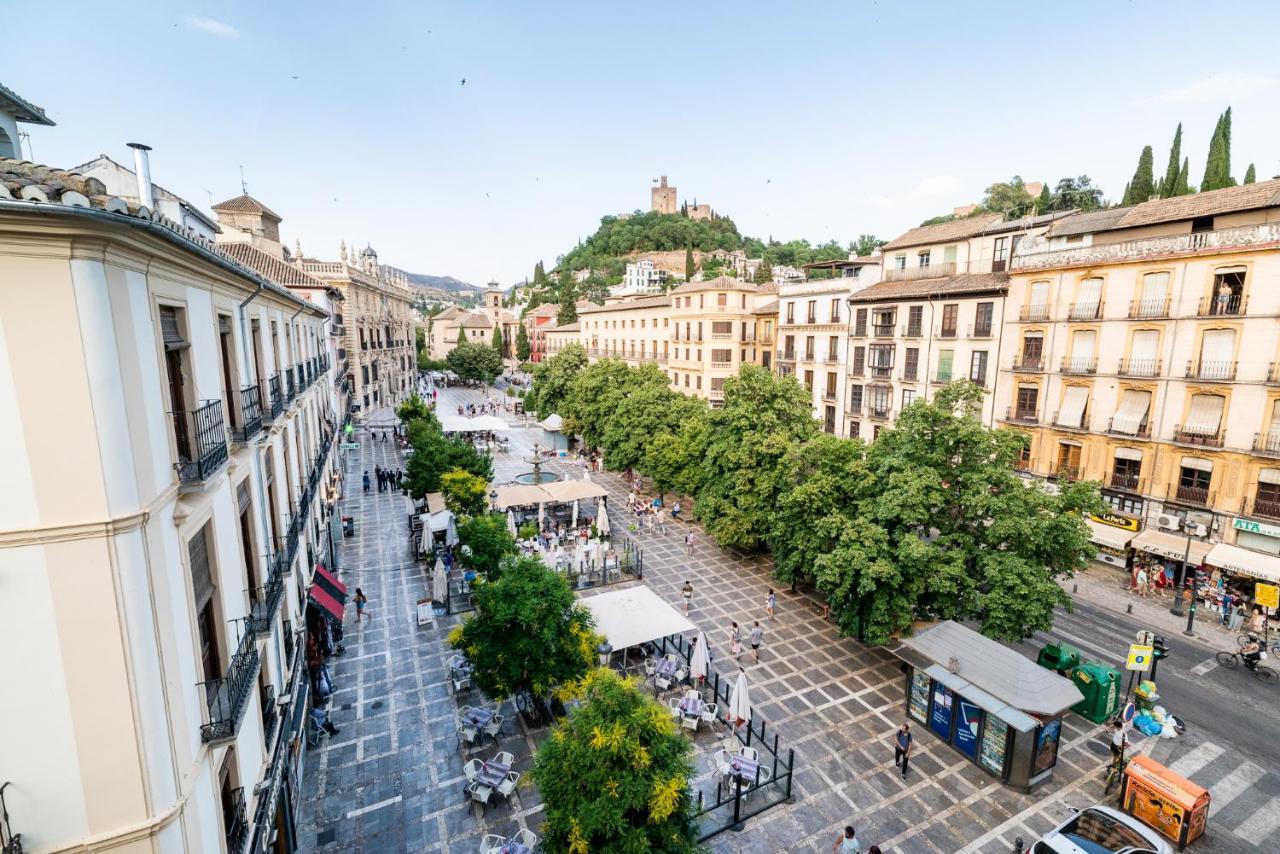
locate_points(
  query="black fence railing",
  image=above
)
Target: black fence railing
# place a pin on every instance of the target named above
(290, 391)
(228, 696)
(250, 414)
(202, 441)
(237, 823)
(270, 716)
(277, 397)
(263, 612)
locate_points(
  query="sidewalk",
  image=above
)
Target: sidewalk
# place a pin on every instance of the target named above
(1104, 586)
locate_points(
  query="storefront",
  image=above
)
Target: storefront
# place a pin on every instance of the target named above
(1176, 550)
(1244, 568)
(1111, 534)
(1259, 536)
(995, 707)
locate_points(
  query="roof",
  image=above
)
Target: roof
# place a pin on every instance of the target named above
(1006, 675)
(270, 266)
(25, 183)
(22, 109)
(942, 232)
(449, 313)
(634, 616)
(1025, 222)
(965, 283)
(155, 188)
(719, 283)
(859, 261)
(476, 320)
(1264, 194)
(769, 307)
(547, 309)
(626, 305)
(567, 327)
(1087, 222)
(246, 203)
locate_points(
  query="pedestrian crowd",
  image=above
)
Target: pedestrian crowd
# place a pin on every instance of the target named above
(387, 479)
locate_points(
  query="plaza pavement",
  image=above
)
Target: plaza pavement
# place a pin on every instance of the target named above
(392, 780)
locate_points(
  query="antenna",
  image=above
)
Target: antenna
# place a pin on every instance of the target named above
(244, 188)
(31, 153)
(209, 193)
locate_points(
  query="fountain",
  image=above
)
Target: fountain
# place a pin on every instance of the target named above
(537, 475)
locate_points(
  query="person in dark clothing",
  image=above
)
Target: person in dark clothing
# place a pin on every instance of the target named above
(902, 747)
(366, 481)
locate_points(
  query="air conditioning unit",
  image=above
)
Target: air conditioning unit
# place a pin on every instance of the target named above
(1198, 530)
(1168, 523)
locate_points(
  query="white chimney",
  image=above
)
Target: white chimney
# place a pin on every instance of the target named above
(142, 168)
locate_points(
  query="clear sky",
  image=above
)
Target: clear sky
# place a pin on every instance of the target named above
(815, 120)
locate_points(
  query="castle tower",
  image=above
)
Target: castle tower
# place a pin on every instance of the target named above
(663, 198)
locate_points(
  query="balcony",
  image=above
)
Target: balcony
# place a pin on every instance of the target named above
(829, 394)
(270, 715)
(227, 697)
(1197, 436)
(1193, 495)
(202, 442)
(910, 375)
(1082, 425)
(250, 414)
(947, 332)
(1123, 481)
(929, 271)
(980, 330)
(1267, 444)
(237, 823)
(1267, 508)
(263, 611)
(1085, 311)
(1143, 430)
(912, 330)
(853, 411)
(882, 330)
(1212, 371)
(1149, 309)
(1021, 416)
(882, 372)
(1214, 306)
(277, 397)
(811, 319)
(290, 391)
(716, 364)
(1028, 364)
(1033, 313)
(810, 356)
(721, 336)
(832, 359)
(877, 414)
(1079, 365)
(1151, 247)
(1138, 368)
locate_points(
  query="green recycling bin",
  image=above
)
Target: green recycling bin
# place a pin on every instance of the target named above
(1059, 657)
(1100, 686)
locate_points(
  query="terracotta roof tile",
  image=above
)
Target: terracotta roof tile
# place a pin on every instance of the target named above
(719, 283)
(626, 305)
(269, 266)
(246, 203)
(956, 229)
(965, 283)
(1087, 222)
(1264, 194)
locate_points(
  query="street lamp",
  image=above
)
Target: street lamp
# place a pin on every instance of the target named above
(604, 650)
(493, 500)
(1188, 582)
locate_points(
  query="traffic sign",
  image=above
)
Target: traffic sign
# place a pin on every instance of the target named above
(1145, 637)
(1129, 711)
(1139, 657)
(1266, 595)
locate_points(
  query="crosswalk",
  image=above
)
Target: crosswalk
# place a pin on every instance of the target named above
(1243, 808)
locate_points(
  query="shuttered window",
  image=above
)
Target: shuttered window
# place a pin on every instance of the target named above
(1131, 414)
(171, 329)
(1205, 415)
(1154, 288)
(1090, 292)
(1145, 346)
(201, 576)
(1071, 414)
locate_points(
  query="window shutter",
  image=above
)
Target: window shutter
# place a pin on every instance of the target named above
(1129, 454)
(224, 324)
(1132, 411)
(1205, 415)
(1082, 345)
(1145, 346)
(1090, 291)
(169, 329)
(201, 577)
(1197, 464)
(1073, 403)
(1154, 288)
(1218, 347)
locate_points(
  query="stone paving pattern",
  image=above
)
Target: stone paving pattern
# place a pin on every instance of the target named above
(392, 780)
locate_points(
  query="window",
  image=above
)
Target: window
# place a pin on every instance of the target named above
(915, 320)
(202, 591)
(859, 359)
(1131, 415)
(908, 397)
(831, 385)
(950, 314)
(1126, 469)
(860, 322)
(854, 429)
(1033, 351)
(1266, 501)
(1153, 297)
(1028, 402)
(1088, 304)
(855, 398)
(722, 329)
(1000, 255)
(835, 310)
(1144, 351)
(833, 348)
(1204, 418)
(697, 381)
(829, 419)
(882, 360)
(1228, 291)
(882, 320)
(1217, 350)
(1081, 360)
(945, 360)
(789, 346)
(900, 262)
(978, 368)
(811, 316)
(722, 300)
(911, 364)
(1075, 400)
(808, 347)
(808, 380)
(949, 255)
(880, 400)
(1068, 460)
(1193, 480)
(177, 355)
(982, 320)
(717, 383)
(721, 357)
(791, 312)
(923, 257)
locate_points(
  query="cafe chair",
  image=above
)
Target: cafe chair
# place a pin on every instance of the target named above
(466, 735)
(494, 726)
(479, 794)
(673, 705)
(527, 838)
(508, 785)
(749, 753)
(709, 714)
(504, 758)
(491, 844)
(471, 769)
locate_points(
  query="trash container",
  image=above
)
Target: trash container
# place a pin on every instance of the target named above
(1145, 696)
(1059, 657)
(348, 526)
(1100, 686)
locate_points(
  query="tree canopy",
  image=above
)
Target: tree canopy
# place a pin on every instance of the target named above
(552, 378)
(433, 455)
(464, 493)
(523, 347)
(488, 543)
(1142, 186)
(479, 362)
(1217, 169)
(614, 775)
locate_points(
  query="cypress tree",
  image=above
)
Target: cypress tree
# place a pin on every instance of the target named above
(1045, 201)
(1250, 175)
(1184, 179)
(498, 343)
(1142, 186)
(688, 263)
(1217, 168)
(1124, 199)
(462, 336)
(1169, 185)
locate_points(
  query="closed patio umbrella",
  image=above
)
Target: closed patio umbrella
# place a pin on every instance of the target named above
(574, 522)
(739, 702)
(439, 583)
(602, 518)
(511, 523)
(700, 663)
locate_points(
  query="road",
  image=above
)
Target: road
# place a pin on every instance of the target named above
(1232, 744)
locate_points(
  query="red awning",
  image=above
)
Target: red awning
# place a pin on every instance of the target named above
(326, 603)
(331, 581)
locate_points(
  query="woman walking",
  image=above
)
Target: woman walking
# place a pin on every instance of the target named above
(770, 601)
(686, 593)
(735, 641)
(361, 600)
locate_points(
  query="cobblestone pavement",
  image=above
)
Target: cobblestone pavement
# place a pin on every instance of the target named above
(392, 780)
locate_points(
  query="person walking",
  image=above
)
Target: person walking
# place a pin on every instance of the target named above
(902, 747)
(366, 480)
(688, 543)
(770, 602)
(848, 842)
(675, 511)
(686, 593)
(757, 638)
(735, 641)
(661, 517)
(1142, 581)
(361, 601)
(1227, 601)
(1238, 613)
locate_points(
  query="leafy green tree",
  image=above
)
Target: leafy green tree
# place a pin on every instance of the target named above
(488, 543)
(478, 362)
(594, 397)
(1184, 178)
(866, 244)
(1250, 175)
(1075, 194)
(523, 348)
(743, 472)
(646, 409)
(553, 377)
(568, 312)
(539, 276)
(498, 344)
(1009, 198)
(1170, 185)
(464, 493)
(433, 455)
(614, 775)
(529, 632)
(764, 274)
(413, 408)
(1142, 186)
(1045, 199)
(689, 268)
(1217, 169)
(947, 530)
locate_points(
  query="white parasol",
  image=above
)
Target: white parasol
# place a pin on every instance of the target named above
(574, 522)
(739, 702)
(700, 663)
(602, 518)
(586, 473)
(579, 554)
(439, 583)
(511, 523)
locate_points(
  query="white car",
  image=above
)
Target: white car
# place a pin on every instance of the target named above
(1101, 830)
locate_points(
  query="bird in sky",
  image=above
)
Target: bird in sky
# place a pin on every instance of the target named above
(464, 81)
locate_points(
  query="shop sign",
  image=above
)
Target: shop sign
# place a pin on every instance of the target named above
(1256, 527)
(1139, 657)
(1115, 520)
(1266, 595)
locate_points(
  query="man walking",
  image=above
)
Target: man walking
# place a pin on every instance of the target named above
(686, 593)
(366, 481)
(848, 842)
(688, 543)
(902, 747)
(757, 638)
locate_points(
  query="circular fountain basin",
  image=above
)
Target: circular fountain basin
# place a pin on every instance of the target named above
(541, 477)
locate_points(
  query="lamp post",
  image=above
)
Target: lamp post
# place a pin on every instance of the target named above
(1187, 582)
(493, 500)
(604, 650)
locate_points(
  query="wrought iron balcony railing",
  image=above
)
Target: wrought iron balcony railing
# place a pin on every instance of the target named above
(237, 823)
(1219, 370)
(1149, 309)
(250, 414)
(1197, 436)
(1021, 416)
(1193, 494)
(228, 696)
(1079, 365)
(1123, 480)
(201, 440)
(1031, 364)
(1138, 367)
(277, 397)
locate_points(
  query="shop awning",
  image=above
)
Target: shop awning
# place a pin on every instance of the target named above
(1106, 535)
(1171, 546)
(331, 584)
(1238, 561)
(326, 603)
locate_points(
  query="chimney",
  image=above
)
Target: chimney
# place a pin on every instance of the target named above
(142, 168)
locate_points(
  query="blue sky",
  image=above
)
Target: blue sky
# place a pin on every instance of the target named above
(815, 120)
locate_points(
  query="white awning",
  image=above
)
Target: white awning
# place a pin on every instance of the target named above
(1108, 535)
(573, 490)
(1269, 476)
(479, 424)
(1132, 411)
(1197, 463)
(1171, 546)
(1073, 403)
(520, 495)
(1205, 416)
(552, 423)
(435, 502)
(1128, 454)
(1238, 561)
(634, 616)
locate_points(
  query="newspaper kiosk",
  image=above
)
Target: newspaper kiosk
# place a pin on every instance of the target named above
(1163, 800)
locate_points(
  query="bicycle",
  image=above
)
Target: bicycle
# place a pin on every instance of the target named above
(1115, 771)
(1232, 660)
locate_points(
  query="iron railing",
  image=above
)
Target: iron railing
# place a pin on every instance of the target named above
(1221, 370)
(882, 330)
(1141, 431)
(277, 398)
(267, 603)
(1123, 480)
(912, 330)
(290, 392)
(270, 715)
(1138, 368)
(250, 414)
(1193, 494)
(980, 330)
(1267, 443)
(928, 271)
(1222, 306)
(1021, 416)
(1079, 365)
(874, 413)
(237, 823)
(1186, 436)
(1034, 313)
(10, 842)
(1268, 508)
(228, 696)
(202, 442)
(1022, 362)
(1148, 309)
(1085, 311)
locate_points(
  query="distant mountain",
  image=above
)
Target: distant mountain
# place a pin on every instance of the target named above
(443, 283)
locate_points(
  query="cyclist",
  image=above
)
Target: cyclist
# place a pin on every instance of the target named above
(1119, 739)
(1252, 652)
